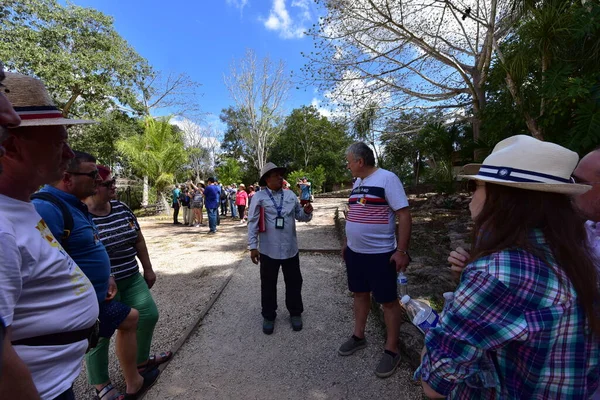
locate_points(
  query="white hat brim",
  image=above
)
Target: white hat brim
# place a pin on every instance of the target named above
(54, 122)
(563, 188)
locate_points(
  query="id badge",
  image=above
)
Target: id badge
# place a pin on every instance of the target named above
(279, 223)
(362, 201)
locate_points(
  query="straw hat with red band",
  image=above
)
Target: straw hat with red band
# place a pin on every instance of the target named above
(33, 103)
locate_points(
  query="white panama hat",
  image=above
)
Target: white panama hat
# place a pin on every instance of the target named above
(527, 163)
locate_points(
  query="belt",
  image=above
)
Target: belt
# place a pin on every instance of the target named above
(57, 339)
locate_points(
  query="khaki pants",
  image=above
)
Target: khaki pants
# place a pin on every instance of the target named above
(187, 215)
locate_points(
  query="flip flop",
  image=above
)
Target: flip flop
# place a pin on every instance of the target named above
(153, 361)
(149, 380)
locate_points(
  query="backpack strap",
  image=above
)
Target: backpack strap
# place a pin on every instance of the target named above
(64, 210)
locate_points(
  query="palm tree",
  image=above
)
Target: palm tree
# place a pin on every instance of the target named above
(157, 154)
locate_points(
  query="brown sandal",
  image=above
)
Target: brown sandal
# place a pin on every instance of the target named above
(153, 361)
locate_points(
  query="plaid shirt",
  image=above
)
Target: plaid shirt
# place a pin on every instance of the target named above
(513, 332)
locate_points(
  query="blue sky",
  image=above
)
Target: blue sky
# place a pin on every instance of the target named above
(203, 37)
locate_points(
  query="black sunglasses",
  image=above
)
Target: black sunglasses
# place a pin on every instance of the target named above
(107, 184)
(93, 174)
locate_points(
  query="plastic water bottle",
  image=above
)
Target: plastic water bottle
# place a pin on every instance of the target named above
(403, 282)
(448, 299)
(422, 315)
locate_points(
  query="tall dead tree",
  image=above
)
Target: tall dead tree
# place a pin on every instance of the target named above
(417, 53)
(259, 89)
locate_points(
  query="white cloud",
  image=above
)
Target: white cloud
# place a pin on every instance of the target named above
(281, 21)
(316, 103)
(204, 135)
(237, 3)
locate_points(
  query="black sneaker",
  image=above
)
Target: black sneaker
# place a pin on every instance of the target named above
(296, 323)
(268, 326)
(387, 365)
(350, 346)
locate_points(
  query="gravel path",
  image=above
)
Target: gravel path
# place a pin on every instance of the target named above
(228, 356)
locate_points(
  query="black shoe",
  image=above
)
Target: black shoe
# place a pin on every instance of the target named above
(296, 322)
(149, 379)
(268, 326)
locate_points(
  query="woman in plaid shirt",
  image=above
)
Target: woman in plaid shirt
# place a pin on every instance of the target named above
(524, 320)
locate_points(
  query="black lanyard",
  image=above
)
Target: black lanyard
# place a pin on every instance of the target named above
(280, 208)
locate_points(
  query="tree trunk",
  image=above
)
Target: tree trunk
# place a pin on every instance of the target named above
(145, 191)
(67, 107)
(417, 168)
(162, 204)
(478, 107)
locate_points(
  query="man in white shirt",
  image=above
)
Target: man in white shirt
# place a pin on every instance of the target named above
(16, 377)
(376, 250)
(47, 303)
(277, 245)
(588, 172)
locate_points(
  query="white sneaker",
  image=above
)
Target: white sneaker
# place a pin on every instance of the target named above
(197, 225)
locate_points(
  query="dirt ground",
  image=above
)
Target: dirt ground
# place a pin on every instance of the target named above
(190, 266)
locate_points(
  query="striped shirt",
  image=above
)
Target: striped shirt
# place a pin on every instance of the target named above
(118, 232)
(522, 319)
(371, 219)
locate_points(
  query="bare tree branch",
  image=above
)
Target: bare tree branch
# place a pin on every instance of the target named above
(259, 90)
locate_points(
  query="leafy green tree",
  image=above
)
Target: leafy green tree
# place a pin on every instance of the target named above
(234, 144)
(157, 153)
(418, 148)
(229, 171)
(101, 139)
(364, 128)
(316, 177)
(546, 79)
(86, 65)
(309, 139)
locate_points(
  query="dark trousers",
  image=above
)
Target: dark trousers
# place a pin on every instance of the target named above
(66, 395)
(175, 212)
(269, 272)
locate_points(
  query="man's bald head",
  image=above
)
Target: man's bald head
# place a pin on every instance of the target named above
(588, 172)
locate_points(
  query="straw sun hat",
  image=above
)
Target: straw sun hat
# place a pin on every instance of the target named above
(33, 103)
(527, 163)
